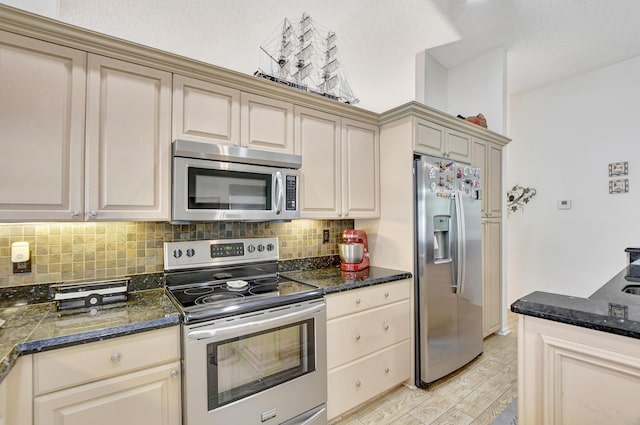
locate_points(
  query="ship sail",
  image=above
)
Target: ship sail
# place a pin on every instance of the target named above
(302, 55)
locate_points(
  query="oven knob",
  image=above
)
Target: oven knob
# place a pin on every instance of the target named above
(270, 247)
(190, 252)
(260, 247)
(251, 248)
(177, 253)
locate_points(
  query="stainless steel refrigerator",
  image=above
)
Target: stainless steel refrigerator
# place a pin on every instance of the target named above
(448, 267)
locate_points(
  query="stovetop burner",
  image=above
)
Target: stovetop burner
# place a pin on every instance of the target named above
(214, 287)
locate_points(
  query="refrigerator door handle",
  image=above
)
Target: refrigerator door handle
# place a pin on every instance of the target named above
(460, 243)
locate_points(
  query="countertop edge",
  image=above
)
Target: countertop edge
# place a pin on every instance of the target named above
(365, 283)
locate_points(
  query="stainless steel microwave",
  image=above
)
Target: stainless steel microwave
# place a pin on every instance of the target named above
(219, 182)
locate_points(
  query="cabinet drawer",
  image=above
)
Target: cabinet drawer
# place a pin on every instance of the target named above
(351, 337)
(359, 381)
(357, 300)
(66, 367)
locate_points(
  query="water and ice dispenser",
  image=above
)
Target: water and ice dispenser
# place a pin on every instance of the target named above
(441, 238)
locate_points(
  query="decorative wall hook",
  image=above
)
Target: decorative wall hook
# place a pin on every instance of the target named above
(518, 197)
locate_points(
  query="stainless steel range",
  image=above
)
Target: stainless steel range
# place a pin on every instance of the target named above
(254, 343)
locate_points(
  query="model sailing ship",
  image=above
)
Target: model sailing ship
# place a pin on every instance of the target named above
(305, 57)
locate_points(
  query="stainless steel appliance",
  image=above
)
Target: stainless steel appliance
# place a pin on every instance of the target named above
(448, 275)
(220, 182)
(254, 343)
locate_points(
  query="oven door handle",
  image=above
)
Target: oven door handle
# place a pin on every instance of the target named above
(234, 329)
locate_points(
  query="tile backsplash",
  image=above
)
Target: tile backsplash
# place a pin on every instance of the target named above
(64, 252)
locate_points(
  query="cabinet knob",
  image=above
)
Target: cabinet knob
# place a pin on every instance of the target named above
(386, 326)
(115, 357)
(358, 383)
(346, 214)
(386, 295)
(174, 374)
(386, 370)
(357, 300)
(358, 337)
(92, 214)
(75, 214)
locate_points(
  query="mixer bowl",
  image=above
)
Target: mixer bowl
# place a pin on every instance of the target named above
(351, 252)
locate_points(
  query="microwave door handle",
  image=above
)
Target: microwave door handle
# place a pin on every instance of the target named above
(234, 329)
(280, 192)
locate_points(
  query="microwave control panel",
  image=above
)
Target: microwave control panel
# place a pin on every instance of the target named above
(291, 186)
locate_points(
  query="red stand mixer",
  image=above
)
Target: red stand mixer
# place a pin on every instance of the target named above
(354, 252)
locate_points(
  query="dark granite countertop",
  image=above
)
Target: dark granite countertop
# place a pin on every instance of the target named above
(332, 279)
(40, 327)
(608, 309)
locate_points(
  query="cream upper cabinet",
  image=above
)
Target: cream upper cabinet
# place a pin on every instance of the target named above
(266, 124)
(361, 170)
(488, 157)
(129, 380)
(205, 112)
(433, 139)
(340, 166)
(318, 141)
(42, 111)
(128, 141)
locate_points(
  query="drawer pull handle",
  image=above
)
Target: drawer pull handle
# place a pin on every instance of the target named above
(174, 373)
(358, 337)
(357, 300)
(358, 383)
(115, 357)
(386, 326)
(386, 295)
(386, 370)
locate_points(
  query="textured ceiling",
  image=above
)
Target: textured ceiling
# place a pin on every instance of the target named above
(545, 40)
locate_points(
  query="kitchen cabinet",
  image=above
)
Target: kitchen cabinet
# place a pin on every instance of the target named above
(42, 113)
(85, 137)
(368, 343)
(573, 375)
(491, 276)
(340, 166)
(205, 112)
(128, 380)
(266, 123)
(128, 141)
(16, 394)
(437, 140)
(488, 157)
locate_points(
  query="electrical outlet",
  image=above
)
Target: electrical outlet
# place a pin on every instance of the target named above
(325, 236)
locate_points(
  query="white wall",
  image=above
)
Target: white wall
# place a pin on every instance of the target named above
(431, 82)
(47, 8)
(480, 86)
(564, 136)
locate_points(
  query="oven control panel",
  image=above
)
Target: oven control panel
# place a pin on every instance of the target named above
(191, 254)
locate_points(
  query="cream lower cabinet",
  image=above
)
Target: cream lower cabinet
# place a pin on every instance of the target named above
(42, 113)
(340, 175)
(129, 380)
(573, 375)
(16, 394)
(368, 343)
(491, 275)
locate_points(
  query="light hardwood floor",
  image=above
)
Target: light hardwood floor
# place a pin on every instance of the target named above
(475, 394)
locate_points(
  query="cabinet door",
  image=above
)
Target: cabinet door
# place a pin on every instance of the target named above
(205, 112)
(458, 146)
(494, 180)
(42, 109)
(492, 279)
(149, 396)
(16, 393)
(318, 142)
(128, 141)
(266, 124)
(429, 138)
(360, 170)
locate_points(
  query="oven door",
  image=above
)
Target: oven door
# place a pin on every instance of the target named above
(206, 190)
(262, 367)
